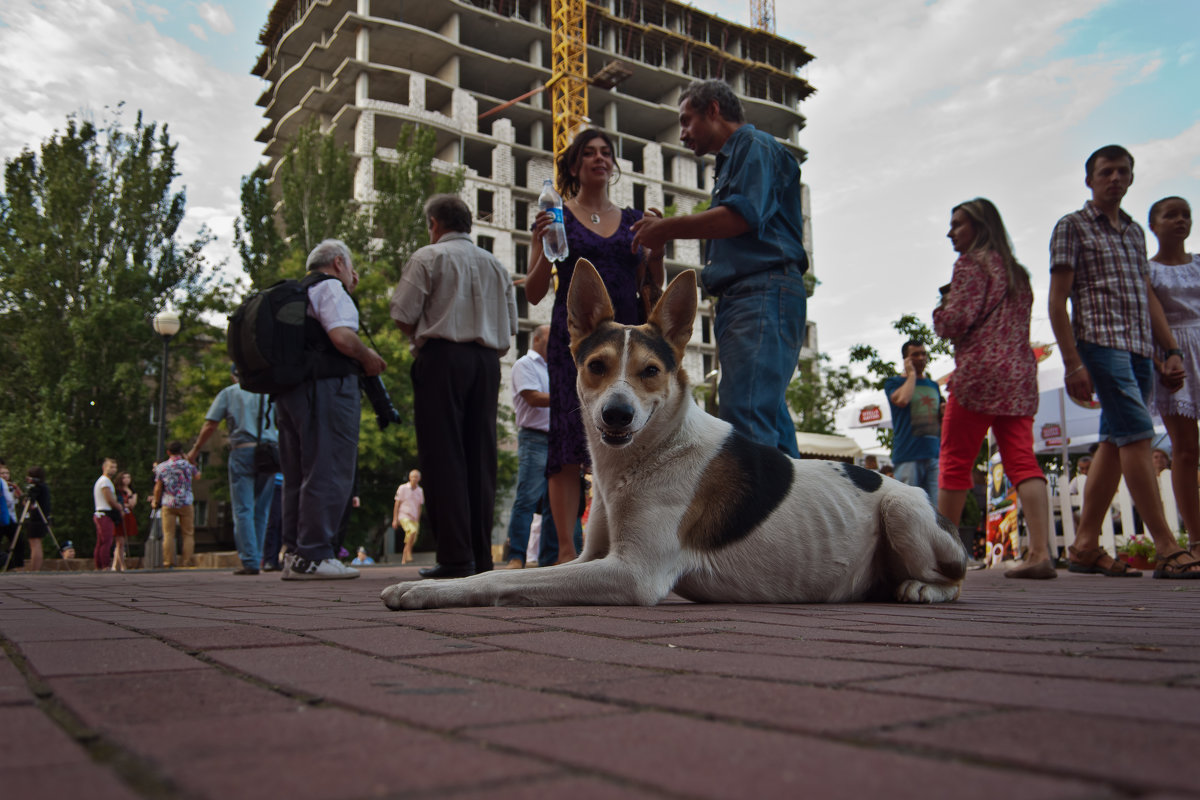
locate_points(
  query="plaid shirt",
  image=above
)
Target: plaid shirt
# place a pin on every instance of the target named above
(1109, 304)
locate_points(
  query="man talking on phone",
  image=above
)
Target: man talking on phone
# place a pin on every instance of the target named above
(916, 402)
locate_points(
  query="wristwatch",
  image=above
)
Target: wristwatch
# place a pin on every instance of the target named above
(1174, 351)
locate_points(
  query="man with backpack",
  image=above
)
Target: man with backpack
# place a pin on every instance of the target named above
(318, 418)
(248, 419)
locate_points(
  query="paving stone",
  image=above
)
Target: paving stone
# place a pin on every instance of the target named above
(679, 657)
(209, 637)
(14, 689)
(83, 780)
(58, 628)
(188, 694)
(394, 641)
(1131, 701)
(1033, 664)
(812, 709)
(32, 741)
(532, 670)
(104, 657)
(622, 628)
(756, 763)
(576, 788)
(1126, 752)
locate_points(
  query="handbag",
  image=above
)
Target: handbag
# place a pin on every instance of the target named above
(266, 454)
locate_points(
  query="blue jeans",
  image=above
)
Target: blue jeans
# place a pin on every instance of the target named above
(1123, 382)
(250, 495)
(760, 329)
(531, 486)
(274, 538)
(922, 473)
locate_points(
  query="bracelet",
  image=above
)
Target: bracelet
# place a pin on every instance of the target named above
(1072, 372)
(1174, 351)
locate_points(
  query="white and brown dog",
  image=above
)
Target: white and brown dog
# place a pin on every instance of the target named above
(681, 502)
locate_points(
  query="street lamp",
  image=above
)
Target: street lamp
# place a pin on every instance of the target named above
(166, 325)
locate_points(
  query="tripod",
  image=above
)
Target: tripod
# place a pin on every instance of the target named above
(29, 501)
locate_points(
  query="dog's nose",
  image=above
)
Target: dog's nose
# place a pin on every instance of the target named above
(617, 415)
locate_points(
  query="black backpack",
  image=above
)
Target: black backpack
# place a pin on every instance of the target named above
(272, 341)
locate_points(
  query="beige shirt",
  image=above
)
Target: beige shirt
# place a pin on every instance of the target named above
(456, 291)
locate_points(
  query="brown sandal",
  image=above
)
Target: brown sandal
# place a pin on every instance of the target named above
(1098, 562)
(1172, 567)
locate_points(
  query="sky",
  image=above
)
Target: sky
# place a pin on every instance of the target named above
(920, 105)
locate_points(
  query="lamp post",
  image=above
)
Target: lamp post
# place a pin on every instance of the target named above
(166, 325)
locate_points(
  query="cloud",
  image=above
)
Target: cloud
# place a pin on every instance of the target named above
(86, 56)
(198, 32)
(158, 12)
(216, 17)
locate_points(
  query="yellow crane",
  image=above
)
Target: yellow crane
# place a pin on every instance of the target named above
(762, 15)
(568, 80)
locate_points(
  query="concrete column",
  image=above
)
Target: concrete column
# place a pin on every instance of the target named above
(362, 45)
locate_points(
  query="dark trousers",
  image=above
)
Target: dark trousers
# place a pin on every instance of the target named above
(456, 388)
(318, 448)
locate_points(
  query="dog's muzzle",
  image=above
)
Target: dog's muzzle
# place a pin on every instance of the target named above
(617, 416)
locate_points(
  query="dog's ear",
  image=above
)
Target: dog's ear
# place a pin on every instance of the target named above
(675, 312)
(587, 302)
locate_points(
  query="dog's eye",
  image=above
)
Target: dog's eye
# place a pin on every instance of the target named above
(596, 367)
(650, 371)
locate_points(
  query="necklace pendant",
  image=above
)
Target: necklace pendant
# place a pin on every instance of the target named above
(595, 219)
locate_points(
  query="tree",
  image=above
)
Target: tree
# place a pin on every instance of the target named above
(879, 369)
(89, 250)
(259, 242)
(819, 392)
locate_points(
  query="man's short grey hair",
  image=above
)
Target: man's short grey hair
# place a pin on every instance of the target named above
(326, 253)
(450, 211)
(701, 94)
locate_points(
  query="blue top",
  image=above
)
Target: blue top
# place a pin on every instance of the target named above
(918, 427)
(760, 180)
(239, 409)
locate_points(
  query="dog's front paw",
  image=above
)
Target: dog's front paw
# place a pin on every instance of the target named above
(914, 591)
(394, 596)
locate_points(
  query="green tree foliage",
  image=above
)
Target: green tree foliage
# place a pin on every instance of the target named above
(89, 251)
(819, 392)
(316, 181)
(880, 369)
(259, 242)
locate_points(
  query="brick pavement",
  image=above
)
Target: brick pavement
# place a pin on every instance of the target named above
(201, 684)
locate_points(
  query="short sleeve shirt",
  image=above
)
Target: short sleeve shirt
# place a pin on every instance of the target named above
(100, 502)
(240, 411)
(176, 475)
(530, 373)
(411, 501)
(1109, 302)
(456, 291)
(918, 426)
(331, 305)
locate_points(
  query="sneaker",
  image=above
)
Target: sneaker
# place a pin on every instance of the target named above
(287, 565)
(302, 569)
(514, 563)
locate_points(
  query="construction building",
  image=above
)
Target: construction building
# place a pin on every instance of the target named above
(363, 68)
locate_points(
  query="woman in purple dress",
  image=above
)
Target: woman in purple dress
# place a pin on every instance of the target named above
(600, 232)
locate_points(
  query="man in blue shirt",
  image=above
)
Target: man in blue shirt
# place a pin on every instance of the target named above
(755, 260)
(248, 419)
(916, 402)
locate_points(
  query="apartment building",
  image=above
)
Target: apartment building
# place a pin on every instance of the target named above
(363, 68)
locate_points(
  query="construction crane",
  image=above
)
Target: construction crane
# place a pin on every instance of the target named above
(568, 81)
(762, 15)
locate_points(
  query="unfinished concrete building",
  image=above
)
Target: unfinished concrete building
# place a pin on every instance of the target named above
(363, 68)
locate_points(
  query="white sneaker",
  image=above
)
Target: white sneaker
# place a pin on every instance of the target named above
(302, 569)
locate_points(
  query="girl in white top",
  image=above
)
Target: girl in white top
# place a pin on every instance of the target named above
(1175, 276)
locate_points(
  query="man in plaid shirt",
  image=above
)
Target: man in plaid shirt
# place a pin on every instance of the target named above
(1098, 261)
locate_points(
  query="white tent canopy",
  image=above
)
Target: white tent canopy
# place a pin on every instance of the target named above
(826, 445)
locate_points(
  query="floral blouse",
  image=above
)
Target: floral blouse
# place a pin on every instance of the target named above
(995, 368)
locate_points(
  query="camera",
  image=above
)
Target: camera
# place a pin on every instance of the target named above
(381, 401)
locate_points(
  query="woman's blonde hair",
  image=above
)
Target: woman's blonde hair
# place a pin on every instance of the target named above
(991, 235)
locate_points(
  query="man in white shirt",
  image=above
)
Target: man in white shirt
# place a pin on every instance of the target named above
(318, 420)
(531, 400)
(457, 304)
(107, 515)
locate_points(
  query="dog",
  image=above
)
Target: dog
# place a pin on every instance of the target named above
(683, 503)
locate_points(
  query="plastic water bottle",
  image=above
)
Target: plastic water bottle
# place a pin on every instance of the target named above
(554, 240)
